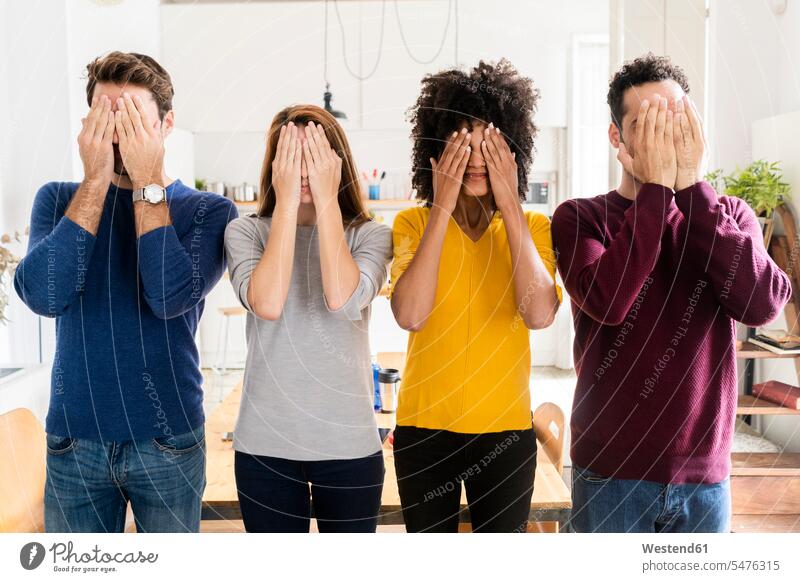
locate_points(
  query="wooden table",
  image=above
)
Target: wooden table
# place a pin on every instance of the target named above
(551, 497)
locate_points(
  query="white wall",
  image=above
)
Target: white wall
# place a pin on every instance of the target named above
(37, 141)
(236, 65)
(747, 75)
(665, 27)
(754, 58)
(44, 48)
(94, 29)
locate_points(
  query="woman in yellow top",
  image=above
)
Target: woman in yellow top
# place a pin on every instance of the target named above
(472, 273)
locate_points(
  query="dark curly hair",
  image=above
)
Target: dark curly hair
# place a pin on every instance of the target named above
(487, 93)
(648, 68)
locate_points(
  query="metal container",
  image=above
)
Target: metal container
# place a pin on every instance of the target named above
(389, 382)
(218, 187)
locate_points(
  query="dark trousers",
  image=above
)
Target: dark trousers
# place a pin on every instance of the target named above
(277, 495)
(497, 470)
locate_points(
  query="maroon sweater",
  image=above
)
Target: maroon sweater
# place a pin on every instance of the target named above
(656, 288)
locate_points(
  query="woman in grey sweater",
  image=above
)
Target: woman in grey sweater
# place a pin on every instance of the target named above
(307, 267)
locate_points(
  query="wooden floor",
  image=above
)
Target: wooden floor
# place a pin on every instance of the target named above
(765, 524)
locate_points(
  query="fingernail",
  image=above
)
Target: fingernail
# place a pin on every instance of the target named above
(463, 130)
(497, 129)
(469, 149)
(645, 103)
(455, 133)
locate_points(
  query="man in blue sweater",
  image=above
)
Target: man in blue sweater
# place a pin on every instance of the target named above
(123, 261)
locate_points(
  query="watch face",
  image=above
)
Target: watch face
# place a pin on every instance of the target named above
(153, 194)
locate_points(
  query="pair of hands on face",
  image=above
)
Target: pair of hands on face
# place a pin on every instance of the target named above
(448, 171)
(323, 164)
(141, 143)
(670, 144)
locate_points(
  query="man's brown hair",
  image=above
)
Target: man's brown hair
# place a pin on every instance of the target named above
(132, 69)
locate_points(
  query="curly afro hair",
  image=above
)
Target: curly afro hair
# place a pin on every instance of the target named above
(648, 68)
(487, 93)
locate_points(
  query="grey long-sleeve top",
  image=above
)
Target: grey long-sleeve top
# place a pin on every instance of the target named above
(308, 388)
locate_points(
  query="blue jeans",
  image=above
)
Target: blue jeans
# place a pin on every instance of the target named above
(276, 495)
(607, 505)
(89, 483)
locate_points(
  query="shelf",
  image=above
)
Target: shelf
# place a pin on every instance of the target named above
(748, 351)
(373, 204)
(749, 404)
(765, 464)
(391, 204)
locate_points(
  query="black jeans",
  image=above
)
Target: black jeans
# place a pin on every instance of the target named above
(275, 496)
(497, 470)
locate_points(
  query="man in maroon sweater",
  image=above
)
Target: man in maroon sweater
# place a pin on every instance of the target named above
(658, 271)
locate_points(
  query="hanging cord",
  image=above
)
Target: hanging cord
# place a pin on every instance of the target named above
(344, 46)
(325, 49)
(455, 40)
(441, 44)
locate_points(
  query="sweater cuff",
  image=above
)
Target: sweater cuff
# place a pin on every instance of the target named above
(73, 247)
(161, 256)
(351, 310)
(699, 196)
(654, 195)
(69, 230)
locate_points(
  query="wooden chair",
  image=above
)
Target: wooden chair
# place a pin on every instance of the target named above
(23, 457)
(548, 423)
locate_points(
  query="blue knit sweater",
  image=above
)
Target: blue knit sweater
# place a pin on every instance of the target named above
(126, 365)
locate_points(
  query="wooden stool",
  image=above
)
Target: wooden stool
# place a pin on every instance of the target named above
(224, 325)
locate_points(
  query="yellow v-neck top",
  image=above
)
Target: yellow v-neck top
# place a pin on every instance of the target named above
(468, 369)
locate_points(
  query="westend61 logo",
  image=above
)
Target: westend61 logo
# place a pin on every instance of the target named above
(66, 559)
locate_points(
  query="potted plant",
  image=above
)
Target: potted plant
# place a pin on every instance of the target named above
(761, 185)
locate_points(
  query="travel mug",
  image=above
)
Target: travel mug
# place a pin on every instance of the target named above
(389, 379)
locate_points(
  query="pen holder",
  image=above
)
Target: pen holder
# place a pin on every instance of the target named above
(374, 191)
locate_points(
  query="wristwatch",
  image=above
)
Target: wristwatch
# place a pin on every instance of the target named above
(152, 193)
